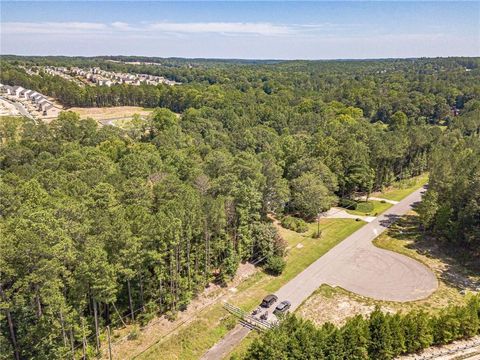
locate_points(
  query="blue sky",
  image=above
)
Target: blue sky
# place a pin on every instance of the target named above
(255, 30)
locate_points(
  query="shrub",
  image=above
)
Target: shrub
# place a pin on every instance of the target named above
(266, 240)
(295, 224)
(348, 204)
(275, 265)
(229, 322)
(134, 333)
(365, 207)
(148, 314)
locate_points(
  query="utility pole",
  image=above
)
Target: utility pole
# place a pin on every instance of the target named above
(318, 225)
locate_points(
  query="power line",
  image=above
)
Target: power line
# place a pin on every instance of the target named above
(127, 316)
(197, 313)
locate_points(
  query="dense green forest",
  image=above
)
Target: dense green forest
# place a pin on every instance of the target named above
(98, 222)
(451, 207)
(379, 337)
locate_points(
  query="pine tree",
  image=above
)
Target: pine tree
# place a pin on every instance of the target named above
(380, 346)
(356, 338)
(334, 343)
(398, 335)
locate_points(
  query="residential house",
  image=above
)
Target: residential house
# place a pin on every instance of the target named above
(50, 110)
(26, 94)
(9, 90)
(37, 98)
(32, 95)
(21, 94)
(42, 102)
(17, 90)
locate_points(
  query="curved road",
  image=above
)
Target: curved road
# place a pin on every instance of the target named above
(355, 265)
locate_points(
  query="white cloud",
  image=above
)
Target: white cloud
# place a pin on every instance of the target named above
(153, 28)
(121, 25)
(50, 27)
(222, 27)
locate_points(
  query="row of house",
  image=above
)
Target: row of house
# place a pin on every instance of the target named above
(39, 100)
(131, 79)
(62, 72)
(108, 78)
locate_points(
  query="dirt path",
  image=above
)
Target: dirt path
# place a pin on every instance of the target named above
(358, 266)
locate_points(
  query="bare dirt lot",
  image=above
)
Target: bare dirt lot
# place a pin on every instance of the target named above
(107, 113)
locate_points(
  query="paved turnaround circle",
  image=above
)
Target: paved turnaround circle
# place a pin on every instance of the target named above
(358, 266)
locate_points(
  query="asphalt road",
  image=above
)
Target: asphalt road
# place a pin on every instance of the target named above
(355, 265)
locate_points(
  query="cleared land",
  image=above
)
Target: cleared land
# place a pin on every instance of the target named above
(8, 109)
(357, 265)
(109, 113)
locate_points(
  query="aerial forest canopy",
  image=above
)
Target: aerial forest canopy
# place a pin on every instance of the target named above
(98, 222)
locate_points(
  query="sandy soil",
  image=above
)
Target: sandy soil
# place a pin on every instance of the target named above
(107, 113)
(336, 307)
(364, 198)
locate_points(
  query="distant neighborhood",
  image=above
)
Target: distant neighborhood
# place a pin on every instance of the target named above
(33, 102)
(97, 76)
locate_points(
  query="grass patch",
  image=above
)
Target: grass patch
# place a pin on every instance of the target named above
(204, 331)
(402, 188)
(241, 350)
(370, 208)
(213, 323)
